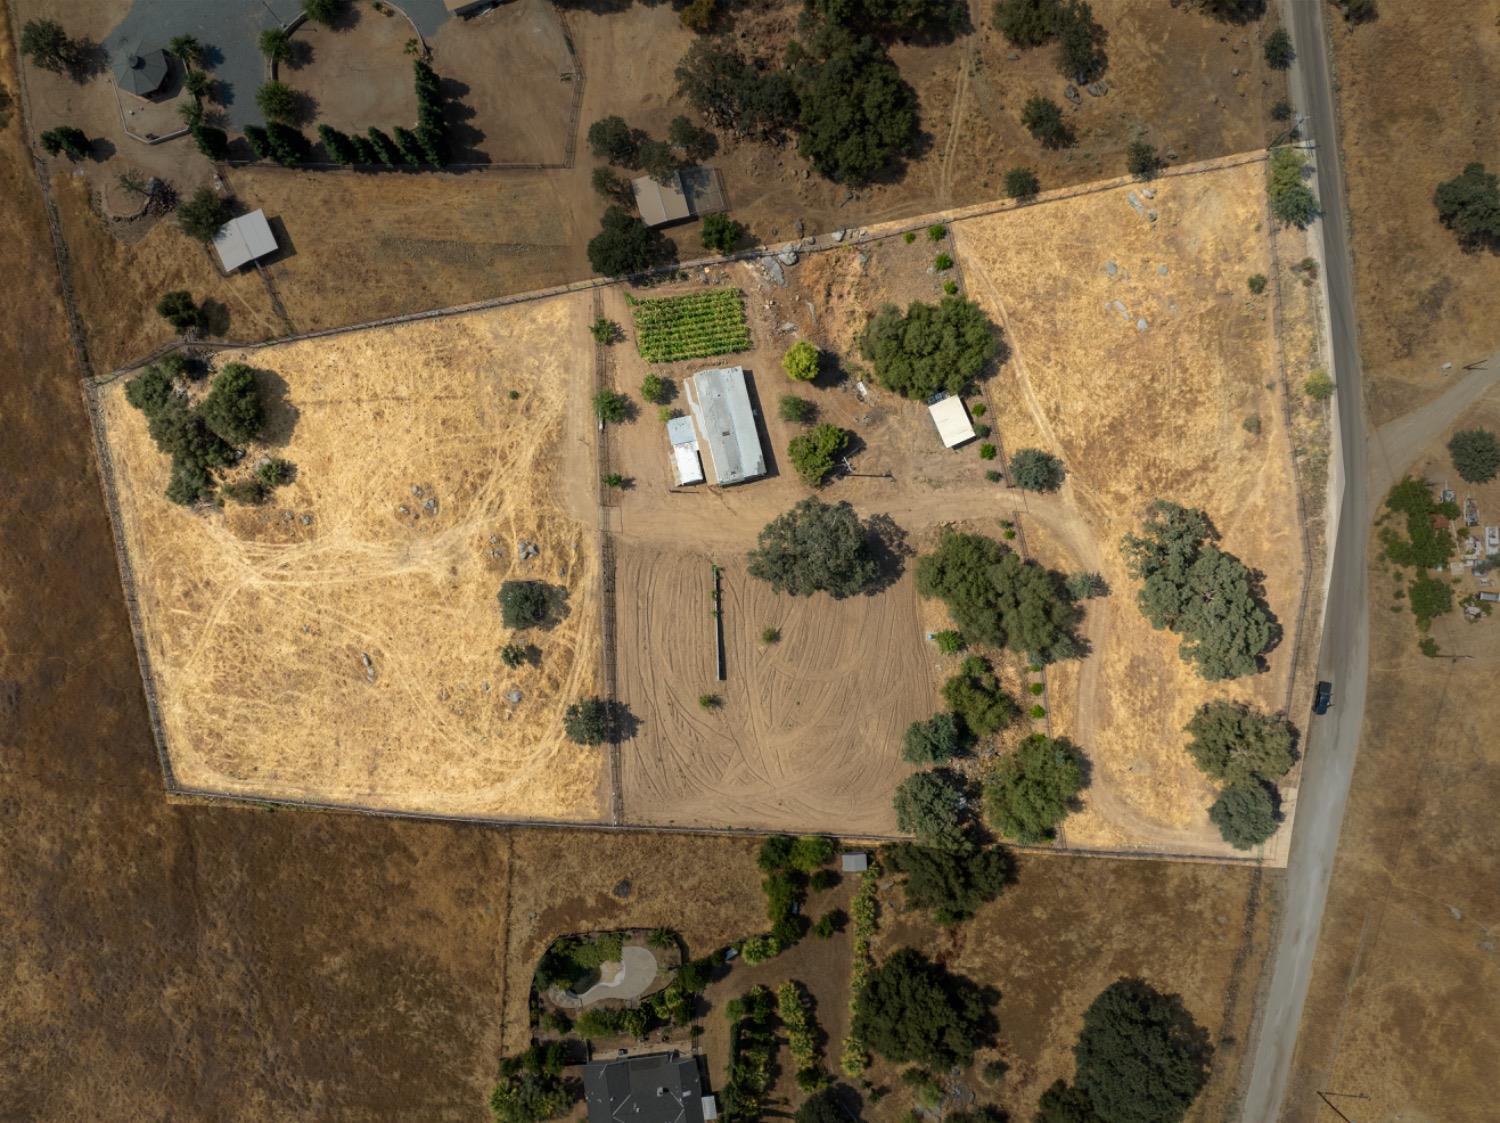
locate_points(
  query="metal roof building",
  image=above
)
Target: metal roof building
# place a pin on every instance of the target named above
(658, 1088)
(141, 73)
(242, 240)
(855, 861)
(951, 419)
(720, 403)
(686, 194)
(686, 465)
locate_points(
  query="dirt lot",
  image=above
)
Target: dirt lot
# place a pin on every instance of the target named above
(427, 240)
(390, 545)
(1404, 987)
(1140, 382)
(1422, 301)
(356, 73)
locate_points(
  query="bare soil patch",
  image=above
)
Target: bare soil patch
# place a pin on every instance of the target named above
(418, 476)
(1140, 380)
(1422, 301)
(514, 80)
(357, 73)
(1404, 986)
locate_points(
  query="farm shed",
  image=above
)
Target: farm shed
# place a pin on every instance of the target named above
(687, 468)
(242, 240)
(657, 1088)
(141, 72)
(688, 193)
(855, 861)
(720, 404)
(951, 419)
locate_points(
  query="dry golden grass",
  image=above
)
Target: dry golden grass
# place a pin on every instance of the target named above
(1136, 414)
(1416, 102)
(257, 619)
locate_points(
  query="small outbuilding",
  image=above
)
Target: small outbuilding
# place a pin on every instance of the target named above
(720, 403)
(686, 194)
(687, 466)
(656, 1088)
(466, 8)
(855, 861)
(243, 240)
(142, 72)
(951, 419)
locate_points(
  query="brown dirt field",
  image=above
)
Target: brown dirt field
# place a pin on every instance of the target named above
(356, 73)
(1404, 985)
(1082, 382)
(1414, 94)
(1196, 930)
(119, 270)
(434, 239)
(809, 736)
(521, 117)
(257, 619)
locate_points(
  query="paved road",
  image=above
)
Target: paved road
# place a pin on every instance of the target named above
(1344, 658)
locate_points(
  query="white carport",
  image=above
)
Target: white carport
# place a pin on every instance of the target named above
(952, 420)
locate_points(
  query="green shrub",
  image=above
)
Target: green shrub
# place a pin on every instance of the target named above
(929, 347)
(948, 642)
(1469, 205)
(975, 695)
(987, 451)
(1476, 455)
(1043, 119)
(721, 233)
(1257, 283)
(1251, 424)
(1031, 469)
(1032, 789)
(274, 472)
(937, 232)
(233, 408)
(1278, 49)
(770, 635)
(950, 883)
(654, 389)
(911, 1009)
(202, 215)
(934, 741)
(611, 406)
(815, 453)
(1022, 184)
(524, 604)
(801, 362)
(1318, 387)
(1141, 160)
(1245, 814)
(797, 410)
(590, 721)
(178, 309)
(1292, 201)
(909, 237)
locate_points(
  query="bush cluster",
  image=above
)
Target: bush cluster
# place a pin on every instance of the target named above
(795, 1010)
(929, 347)
(752, 1052)
(816, 547)
(864, 912)
(1032, 789)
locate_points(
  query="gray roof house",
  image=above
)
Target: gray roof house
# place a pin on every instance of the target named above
(141, 72)
(658, 1088)
(687, 193)
(241, 240)
(720, 404)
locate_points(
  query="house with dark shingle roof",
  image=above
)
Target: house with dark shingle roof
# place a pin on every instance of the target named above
(657, 1088)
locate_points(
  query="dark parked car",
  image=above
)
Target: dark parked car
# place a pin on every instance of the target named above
(1323, 698)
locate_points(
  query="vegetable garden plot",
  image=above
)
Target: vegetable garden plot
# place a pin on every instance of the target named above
(692, 326)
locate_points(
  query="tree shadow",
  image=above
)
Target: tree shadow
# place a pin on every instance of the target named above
(285, 247)
(347, 17)
(214, 317)
(463, 137)
(299, 54)
(101, 149)
(889, 549)
(280, 415)
(1236, 11)
(86, 59)
(620, 724)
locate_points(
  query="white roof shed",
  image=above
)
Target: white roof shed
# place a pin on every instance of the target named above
(242, 240)
(952, 420)
(720, 402)
(686, 465)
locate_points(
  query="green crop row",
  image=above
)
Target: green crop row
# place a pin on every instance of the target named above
(691, 327)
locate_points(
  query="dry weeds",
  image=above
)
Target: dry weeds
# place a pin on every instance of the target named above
(258, 619)
(1140, 382)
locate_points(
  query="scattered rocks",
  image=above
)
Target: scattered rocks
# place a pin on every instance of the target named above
(1141, 325)
(1070, 92)
(416, 491)
(1097, 89)
(494, 538)
(1457, 915)
(1013, 57)
(526, 550)
(307, 520)
(1120, 310)
(369, 666)
(1162, 269)
(837, 235)
(1111, 269)
(431, 505)
(622, 888)
(485, 687)
(787, 328)
(1152, 216)
(799, 227)
(774, 271)
(1135, 203)
(562, 571)
(403, 509)
(513, 696)
(863, 259)
(787, 257)
(1148, 193)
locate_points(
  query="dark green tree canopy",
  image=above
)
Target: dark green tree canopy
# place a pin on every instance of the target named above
(821, 1107)
(178, 309)
(1476, 455)
(816, 547)
(815, 452)
(202, 215)
(1044, 120)
(625, 245)
(1080, 43)
(1062, 1103)
(1245, 813)
(928, 21)
(735, 94)
(47, 45)
(524, 604)
(1027, 23)
(1426, 545)
(934, 741)
(721, 233)
(1278, 49)
(1034, 470)
(1141, 159)
(1469, 205)
(232, 408)
(1292, 200)
(913, 1010)
(1033, 788)
(997, 598)
(1232, 742)
(1199, 592)
(1141, 1057)
(149, 390)
(858, 116)
(931, 347)
(930, 805)
(593, 721)
(977, 697)
(1022, 183)
(950, 884)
